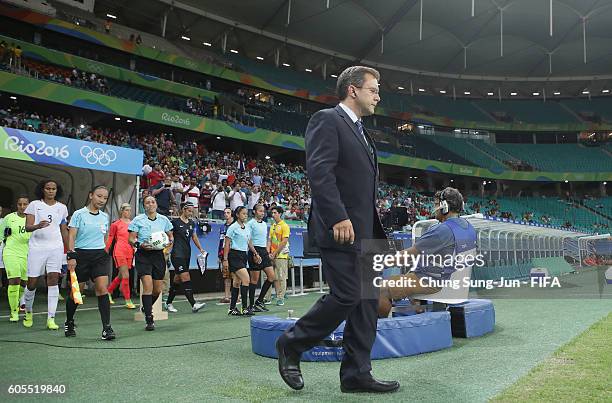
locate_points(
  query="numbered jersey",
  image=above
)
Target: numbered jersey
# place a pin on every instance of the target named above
(17, 239)
(49, 237)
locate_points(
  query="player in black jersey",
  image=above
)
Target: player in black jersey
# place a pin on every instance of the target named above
(183, 228)
(227, 278)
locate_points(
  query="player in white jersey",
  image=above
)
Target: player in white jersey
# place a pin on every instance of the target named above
(46, 220)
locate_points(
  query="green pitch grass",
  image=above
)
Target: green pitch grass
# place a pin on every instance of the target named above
(207, 357)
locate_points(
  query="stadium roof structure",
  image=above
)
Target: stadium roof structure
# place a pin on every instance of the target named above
(484, 47)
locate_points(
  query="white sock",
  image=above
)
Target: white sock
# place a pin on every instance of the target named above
(22, 300)
(52, 298)
(28, 298)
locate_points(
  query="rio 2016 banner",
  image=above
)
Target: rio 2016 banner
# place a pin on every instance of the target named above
(43, 148)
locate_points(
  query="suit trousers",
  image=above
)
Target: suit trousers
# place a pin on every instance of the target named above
(345, 301)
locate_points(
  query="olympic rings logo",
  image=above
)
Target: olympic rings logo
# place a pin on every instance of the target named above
(98, 155)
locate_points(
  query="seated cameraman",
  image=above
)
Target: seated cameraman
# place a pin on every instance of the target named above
(452, 236)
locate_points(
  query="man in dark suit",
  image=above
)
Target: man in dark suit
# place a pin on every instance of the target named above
(343, 174)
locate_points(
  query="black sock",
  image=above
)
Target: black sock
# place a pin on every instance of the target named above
(234, 297)
(252, 288)
(264, 290)
(244, 294)
(71, 308)
(188, 292)
(155, 297)
(104, 308)
(147, 303)
(172, 293)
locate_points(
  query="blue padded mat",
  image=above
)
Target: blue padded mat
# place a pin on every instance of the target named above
(395, 337)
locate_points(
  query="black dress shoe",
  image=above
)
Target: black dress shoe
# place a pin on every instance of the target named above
(289, 367)
(370, 385)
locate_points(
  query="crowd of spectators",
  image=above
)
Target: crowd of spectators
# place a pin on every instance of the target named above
(177, 170)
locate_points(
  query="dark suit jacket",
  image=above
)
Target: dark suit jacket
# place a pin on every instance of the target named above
(343, 177)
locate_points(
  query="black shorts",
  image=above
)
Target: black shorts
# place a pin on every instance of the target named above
(180, 264)
(92, 263)
(236, 260)
(150, 263)
(265, 259)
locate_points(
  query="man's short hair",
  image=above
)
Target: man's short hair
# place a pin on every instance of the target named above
(453, 198)
(354, 75)
(278, 209)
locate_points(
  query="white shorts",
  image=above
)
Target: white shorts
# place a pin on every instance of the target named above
(39, 260)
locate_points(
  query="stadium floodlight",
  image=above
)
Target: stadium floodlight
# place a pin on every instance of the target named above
(259, 58)
(114, 17)
(452, 180)
(82, 126)
(605, 183)
(566, 181)
(129, 121)
(13, 98)
(442, 91)
(466, 92)
(556, 93)
(421, 89)
(400, 87)
(484, 182)
(218, 138)
(185, 38)
(421, 126)
(585, 92)
(233, 51)
(267, 157)
(490, 93)
(308, 70)
(605, 91)
(286, 65)
(513, 94)
(206, 43)
(117, 118)
(536, 93)
(333, 75)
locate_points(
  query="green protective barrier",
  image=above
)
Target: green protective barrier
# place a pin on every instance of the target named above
(49, 91)
(556, 266)
(110, 41)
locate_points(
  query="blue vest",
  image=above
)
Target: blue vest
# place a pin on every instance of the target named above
(465, 245)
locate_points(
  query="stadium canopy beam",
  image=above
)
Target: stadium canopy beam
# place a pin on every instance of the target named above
(274, 14)
(384, 30)
(401, 69)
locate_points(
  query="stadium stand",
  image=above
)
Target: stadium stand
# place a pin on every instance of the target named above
(530, 111)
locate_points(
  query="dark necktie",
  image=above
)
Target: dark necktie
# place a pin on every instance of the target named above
(360, 129)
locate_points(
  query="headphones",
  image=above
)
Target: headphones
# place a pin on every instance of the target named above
(443, 204)
(443, 207)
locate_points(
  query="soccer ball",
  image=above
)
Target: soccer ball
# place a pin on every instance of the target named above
(158, 240)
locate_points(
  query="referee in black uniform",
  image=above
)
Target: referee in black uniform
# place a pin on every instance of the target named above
(183, 229)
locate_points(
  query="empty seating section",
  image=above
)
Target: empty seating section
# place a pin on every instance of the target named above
(600, 107)
(560, 157)
(529, 111)
(493, 151)
(284, 77)
(556, 211)
(422, 147)
(467, 151)
(459, 109)
(602, 205)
